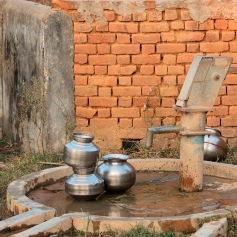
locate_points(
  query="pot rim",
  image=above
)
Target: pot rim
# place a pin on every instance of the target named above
(85, 137)
(115, 157)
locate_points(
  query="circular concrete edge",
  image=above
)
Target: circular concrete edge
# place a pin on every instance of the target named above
(31, 213)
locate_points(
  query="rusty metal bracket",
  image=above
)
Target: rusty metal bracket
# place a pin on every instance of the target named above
(193, 110)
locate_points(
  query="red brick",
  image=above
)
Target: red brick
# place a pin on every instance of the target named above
(123, 38)
(103, 122)
(192, 48)
(176, 69)
(85, 48)
(147, 69)
(125, 81)
(80, 58)
(139, 123)
(80, 80)
(171, 14)
(161, 70)
(148, 49)
(146, 38)
(99, 38)
(81, 101)
(139, 101)
(105, 91)
(168, 121)
(221, 24)
(125, 123)
(123, 27)
(125, 49)
(232, 25)
(212, 36)
(104, 113)
(85, 112)
(228, 36)
(123, 59)
(103, 49)
(102, 80)
(101, 70)
(168, 36)
(82, 27)
(181, 79)
(146, 59)
(229, 100)
(170, 48)
(229, 122)
(231, 79)
(121, 70)
(127, 91)
(170, 80)
(231, 90)
(213, 121)
(219, 111)
(169, 59)
(185, 15)
(102, 101)
(76, 16)
(63, 5)
(222, 91)
(146, 80)
(139, 16)
(125, 101)
(233, 46)
(233, 110)
(154, 27)
(228, 132)
(155, 16)
(102, 28)
(83, 69)
(82, 122)
(80, 38)
(150, 91)
(215, 47)
(166, 112)
(125, 18)
(125, 112)
(191, 25)
(169, 91)
(217, 101)
(109, 15)
(102, 59)
(185, 57)
(207, 25)
(148, 101)
(168, 102)
(85, 90)
(189, 36)
(177, 25)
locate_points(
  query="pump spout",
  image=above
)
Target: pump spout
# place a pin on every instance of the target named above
(159, 130)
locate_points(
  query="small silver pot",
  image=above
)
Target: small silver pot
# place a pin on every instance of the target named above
(215, 148)
(117, 173)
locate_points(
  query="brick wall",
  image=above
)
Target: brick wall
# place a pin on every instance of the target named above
(129, 69)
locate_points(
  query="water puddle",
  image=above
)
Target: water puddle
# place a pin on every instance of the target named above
(154, 194)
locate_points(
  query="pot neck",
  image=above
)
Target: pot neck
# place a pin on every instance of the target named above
(83, 137)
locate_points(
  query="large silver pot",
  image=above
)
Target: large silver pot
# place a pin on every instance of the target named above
(82, 155)
(215, 148)
(117, 173)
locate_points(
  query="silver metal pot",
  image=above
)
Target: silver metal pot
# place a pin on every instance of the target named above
(215, 148)
(82, 155)
(117, 173)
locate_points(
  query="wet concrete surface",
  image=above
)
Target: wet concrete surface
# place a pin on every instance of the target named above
(154, 194)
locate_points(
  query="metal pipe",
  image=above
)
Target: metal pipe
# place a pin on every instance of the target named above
(159, 130)
(192, 152)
